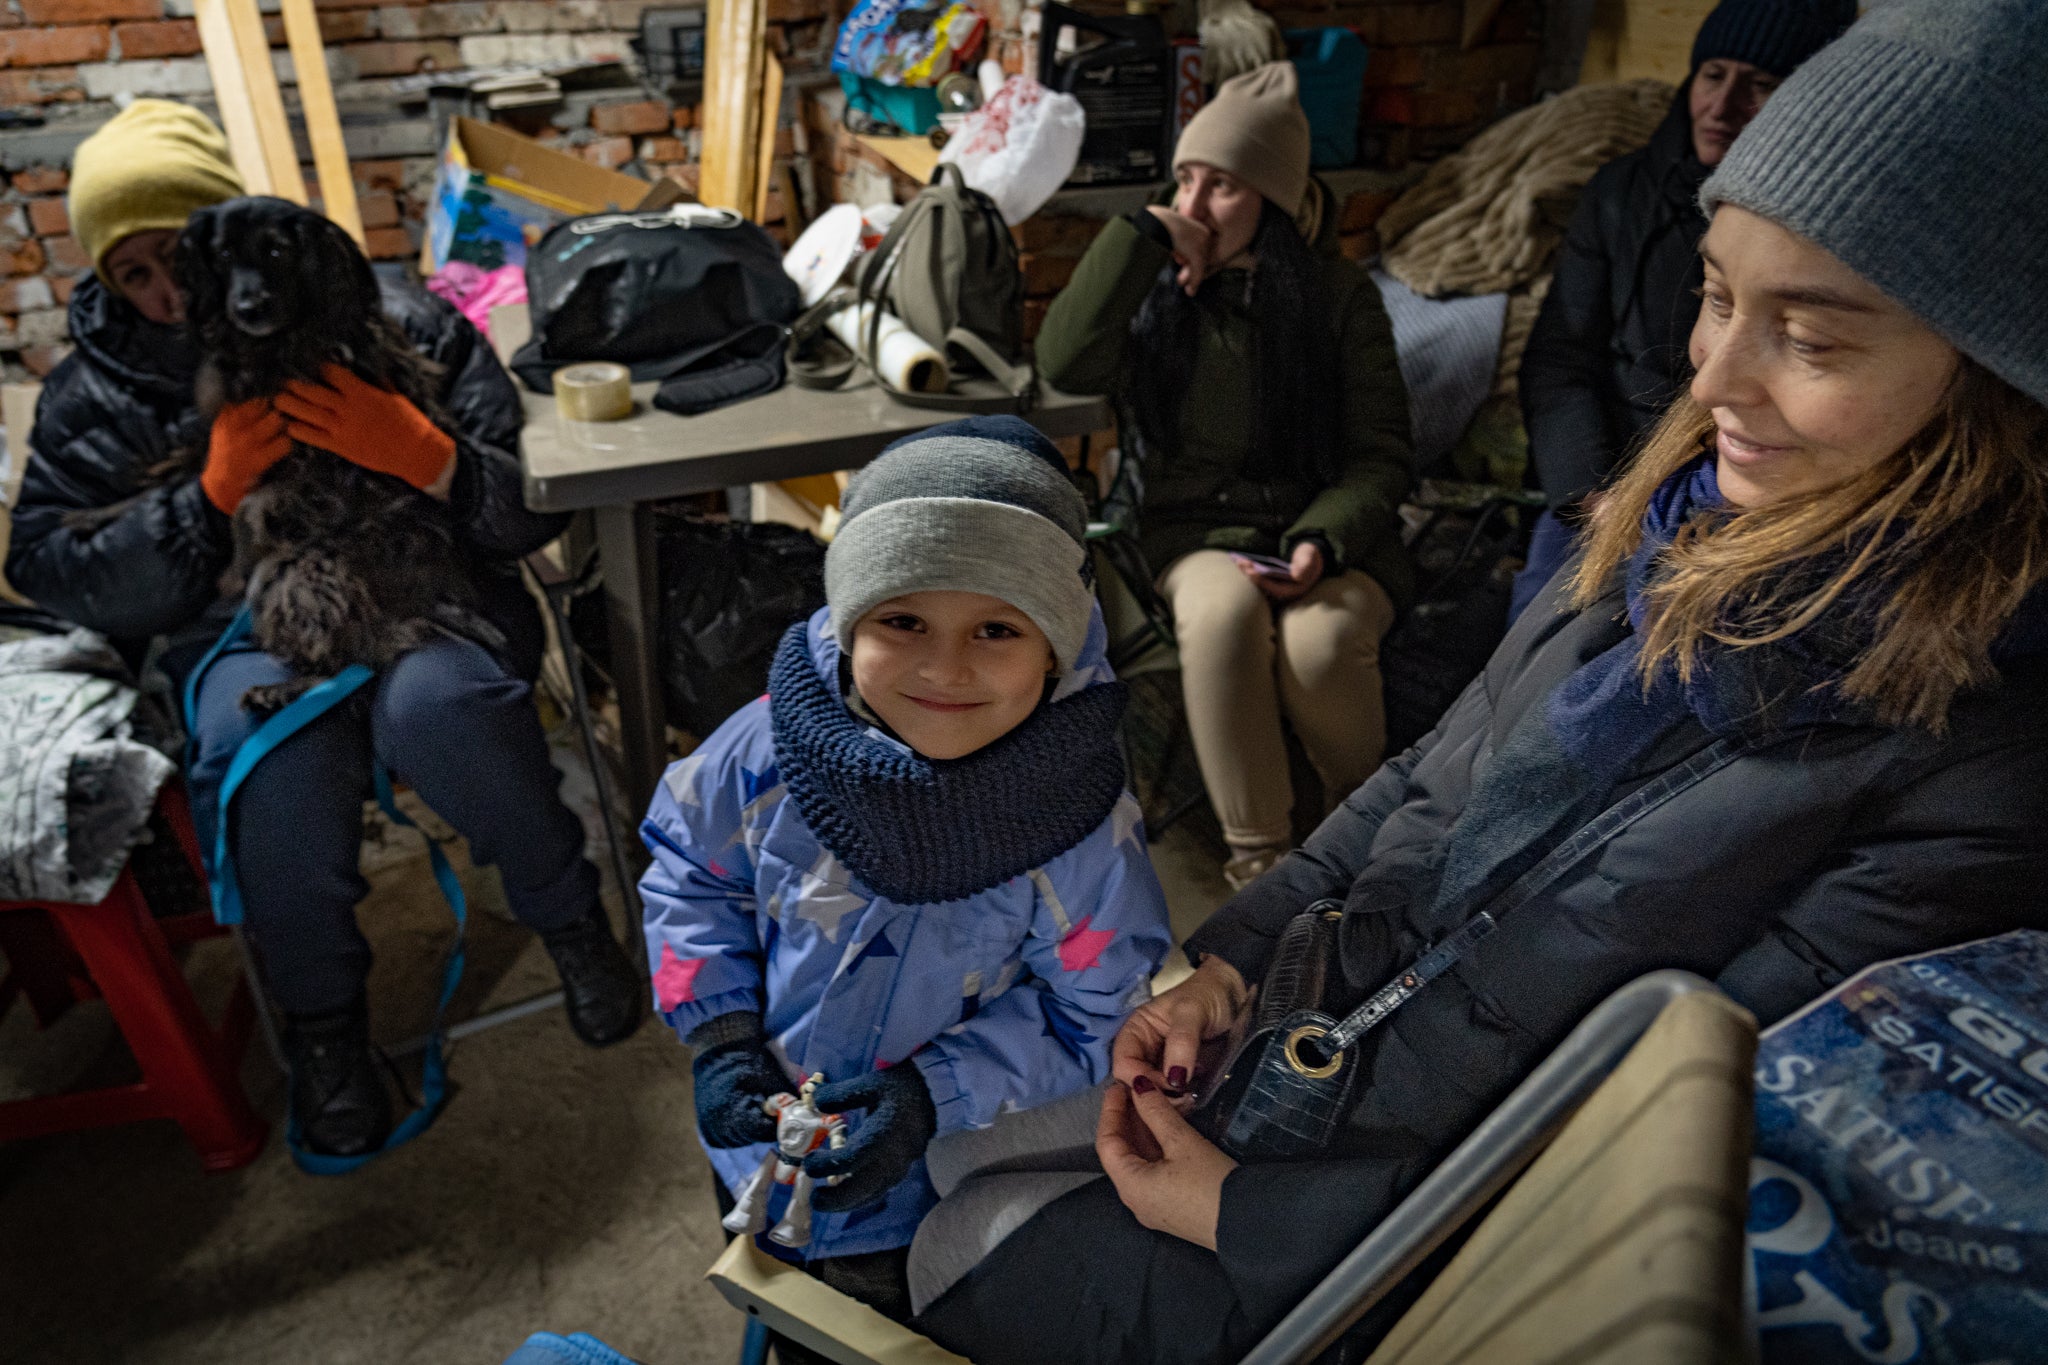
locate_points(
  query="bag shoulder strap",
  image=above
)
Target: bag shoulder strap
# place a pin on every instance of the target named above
(1019, 381)
(807, 333)
(1601, 829)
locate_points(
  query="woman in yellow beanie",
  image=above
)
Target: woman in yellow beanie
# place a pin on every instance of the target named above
(1256, 384)
(133, 185)
(453, 719)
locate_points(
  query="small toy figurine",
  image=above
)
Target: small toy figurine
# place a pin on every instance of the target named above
(799, 1130)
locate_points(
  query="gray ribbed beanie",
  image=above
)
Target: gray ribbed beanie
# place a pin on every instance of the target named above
(1914, 149)
(979, 505)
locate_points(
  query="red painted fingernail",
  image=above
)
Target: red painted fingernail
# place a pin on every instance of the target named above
(1142, 1086)
(1177, 1076)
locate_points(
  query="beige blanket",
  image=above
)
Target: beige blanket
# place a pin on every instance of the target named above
(1488, 217)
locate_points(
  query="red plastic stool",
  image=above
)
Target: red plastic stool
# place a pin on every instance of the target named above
(117, 950)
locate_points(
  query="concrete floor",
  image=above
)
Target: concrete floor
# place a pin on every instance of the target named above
(562, 1190)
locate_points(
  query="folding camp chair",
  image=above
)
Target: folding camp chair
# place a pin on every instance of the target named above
(1140, 626)
(1622, 1243)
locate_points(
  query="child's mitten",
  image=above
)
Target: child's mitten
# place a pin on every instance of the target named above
(900, 1121)
(734, 1074)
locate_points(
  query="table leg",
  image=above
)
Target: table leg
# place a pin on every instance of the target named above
(632, 599)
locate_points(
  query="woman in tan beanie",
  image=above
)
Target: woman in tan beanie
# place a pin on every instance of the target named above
(1256, 385)
(103, 538)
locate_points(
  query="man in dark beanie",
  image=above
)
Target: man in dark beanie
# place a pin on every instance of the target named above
(1608, 351)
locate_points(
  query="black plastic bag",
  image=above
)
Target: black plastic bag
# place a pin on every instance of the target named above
(728, 592)
(1468, 558)
(661, 293)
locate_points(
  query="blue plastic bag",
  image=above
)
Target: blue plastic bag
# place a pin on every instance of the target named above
(545, 1348)
(1898, 1206)
(1330, 63)
(907, 42)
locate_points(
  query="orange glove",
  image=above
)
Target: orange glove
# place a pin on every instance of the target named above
(366, 425)
(247, 439)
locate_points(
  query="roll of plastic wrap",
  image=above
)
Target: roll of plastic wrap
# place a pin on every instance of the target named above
(597, 391)
(902, 357)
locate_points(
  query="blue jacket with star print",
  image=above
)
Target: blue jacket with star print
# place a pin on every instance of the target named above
(1005, 1000)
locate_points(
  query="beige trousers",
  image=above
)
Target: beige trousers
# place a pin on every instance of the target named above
(1247, 660)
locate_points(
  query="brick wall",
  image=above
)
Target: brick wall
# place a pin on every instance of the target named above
(75, 61)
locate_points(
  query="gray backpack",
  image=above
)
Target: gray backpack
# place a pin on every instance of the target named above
(948, 267)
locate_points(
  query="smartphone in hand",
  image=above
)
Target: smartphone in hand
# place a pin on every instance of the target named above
(1265, 566)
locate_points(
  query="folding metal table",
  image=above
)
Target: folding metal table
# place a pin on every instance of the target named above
(615, 469)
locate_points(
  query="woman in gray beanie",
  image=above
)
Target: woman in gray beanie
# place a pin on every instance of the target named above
(1607, 354)
(1256, 383)
(1809, 623)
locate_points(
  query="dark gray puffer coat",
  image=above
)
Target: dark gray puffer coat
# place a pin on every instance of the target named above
(1608, 351)
(1828, 849)
(123, 403)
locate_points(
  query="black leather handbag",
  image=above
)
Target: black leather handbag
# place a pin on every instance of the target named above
(1289, 1085)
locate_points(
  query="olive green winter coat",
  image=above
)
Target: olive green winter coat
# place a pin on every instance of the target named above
(1207, 489)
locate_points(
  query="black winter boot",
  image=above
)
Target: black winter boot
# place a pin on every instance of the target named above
(337, 1089)
(606, 996)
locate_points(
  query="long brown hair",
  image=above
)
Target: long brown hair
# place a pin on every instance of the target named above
(1946, 536)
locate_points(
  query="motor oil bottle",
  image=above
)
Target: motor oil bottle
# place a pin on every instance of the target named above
(1121, 70)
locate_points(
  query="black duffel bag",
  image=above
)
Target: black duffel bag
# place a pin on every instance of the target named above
(691, 296)
(729, 589)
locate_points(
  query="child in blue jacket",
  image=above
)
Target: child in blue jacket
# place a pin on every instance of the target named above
(913, 865)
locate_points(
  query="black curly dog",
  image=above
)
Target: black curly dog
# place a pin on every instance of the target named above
(339, 565)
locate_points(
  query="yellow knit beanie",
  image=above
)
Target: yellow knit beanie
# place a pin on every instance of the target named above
(153, 165)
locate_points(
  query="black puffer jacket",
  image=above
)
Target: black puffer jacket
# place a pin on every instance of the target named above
(1828, 849)
(1608, 352)
(122, 404)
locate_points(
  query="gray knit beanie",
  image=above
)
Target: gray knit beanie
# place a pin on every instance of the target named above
(979, 505)
(1914, 149)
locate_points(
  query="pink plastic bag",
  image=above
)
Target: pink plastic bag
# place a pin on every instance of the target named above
(475, 291)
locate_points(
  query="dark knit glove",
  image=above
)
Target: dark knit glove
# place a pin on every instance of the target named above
(900, 1121)
(734, 1074)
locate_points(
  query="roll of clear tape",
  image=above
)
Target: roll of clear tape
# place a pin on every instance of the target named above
(596, 391)
(902, 357)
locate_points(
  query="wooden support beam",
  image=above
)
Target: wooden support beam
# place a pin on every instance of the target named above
(251, 106)
(735, 53)
(323, 122)
(771, 114)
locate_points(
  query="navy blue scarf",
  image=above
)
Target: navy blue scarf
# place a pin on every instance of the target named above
(920, 831)
(1560, 765)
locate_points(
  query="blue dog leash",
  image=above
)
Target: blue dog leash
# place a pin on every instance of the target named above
(226, 890)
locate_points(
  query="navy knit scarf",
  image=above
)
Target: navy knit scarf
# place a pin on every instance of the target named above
(1559, 766)
(920, 831)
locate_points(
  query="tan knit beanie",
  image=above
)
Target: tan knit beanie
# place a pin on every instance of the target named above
(152, 166)
(1254, 129)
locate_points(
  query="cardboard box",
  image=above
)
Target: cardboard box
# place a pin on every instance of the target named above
(497, 192)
